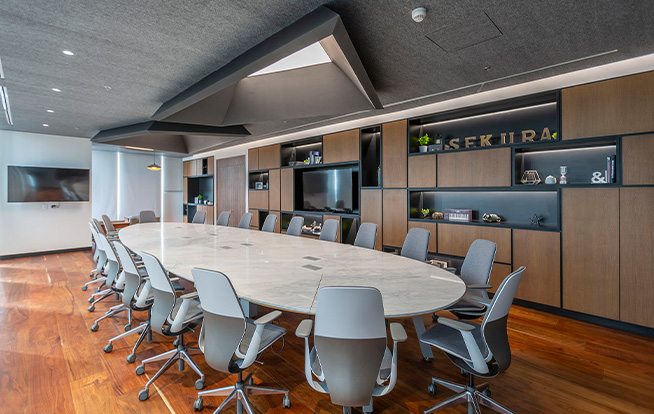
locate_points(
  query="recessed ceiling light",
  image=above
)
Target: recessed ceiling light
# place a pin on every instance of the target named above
(107, 87)
(50, 111)
(68, 53)
(56, 89)
(487, 67)
(46, 125)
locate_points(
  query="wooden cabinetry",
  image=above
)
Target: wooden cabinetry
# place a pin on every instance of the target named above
(278, 223)
(253, 159)
(210, 165)
(455, 239)
(274, 183)
(499, 272)
(286, 190)
(590, 251)
(394, 154)
(422, 171)
(337, 218)
(258, 199)
(209, 211)
(637, 155)
(433, 236)
(478, 168)
(187, 168)
(612, 107)
(371, 212)
(340, 147)
(394, 223)
(636, 256)
(255, 218)
(184, 190)
(269, 157)
(540, 253)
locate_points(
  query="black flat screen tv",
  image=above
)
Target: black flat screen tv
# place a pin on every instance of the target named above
(45, 184)
(335, 189)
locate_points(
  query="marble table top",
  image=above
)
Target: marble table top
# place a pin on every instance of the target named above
(285, 272)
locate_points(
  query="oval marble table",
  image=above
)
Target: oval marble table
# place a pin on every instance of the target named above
(285, 272)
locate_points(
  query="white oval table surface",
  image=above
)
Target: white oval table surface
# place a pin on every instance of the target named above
(285, 272)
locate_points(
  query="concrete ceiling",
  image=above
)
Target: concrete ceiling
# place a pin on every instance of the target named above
(149, 51)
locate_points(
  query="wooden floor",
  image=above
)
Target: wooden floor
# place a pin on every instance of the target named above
(51, 362)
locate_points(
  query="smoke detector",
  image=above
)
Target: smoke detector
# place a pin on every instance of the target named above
(419, 14)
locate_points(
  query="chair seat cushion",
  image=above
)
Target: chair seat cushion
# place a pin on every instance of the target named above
(384, 369)
(450, 340)
(271, 333)
(467, 304)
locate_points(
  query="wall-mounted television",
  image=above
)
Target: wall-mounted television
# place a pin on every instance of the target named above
(45, 184)
(328, 189)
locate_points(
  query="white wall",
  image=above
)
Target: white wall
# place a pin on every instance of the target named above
(28, 227)
(172, 204)
(138, 188)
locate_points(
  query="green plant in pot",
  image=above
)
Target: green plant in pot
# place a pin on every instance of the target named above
(425, 213)
(424, 141)
(198, 199)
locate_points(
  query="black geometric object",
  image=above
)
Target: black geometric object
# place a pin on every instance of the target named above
(535, 220)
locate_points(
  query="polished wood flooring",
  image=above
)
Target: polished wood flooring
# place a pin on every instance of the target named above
(51, 362)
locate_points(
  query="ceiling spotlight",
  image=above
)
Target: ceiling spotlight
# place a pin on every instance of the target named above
(46, 125)
(68, 53)
(107, 87)
(487, 67)
(50, 111)
(419, 14)
(56, 89)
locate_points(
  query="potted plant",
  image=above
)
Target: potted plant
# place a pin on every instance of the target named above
(198, 199)
(425, 213)
(424, 141)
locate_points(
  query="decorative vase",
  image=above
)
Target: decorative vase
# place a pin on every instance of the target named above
(423, 148)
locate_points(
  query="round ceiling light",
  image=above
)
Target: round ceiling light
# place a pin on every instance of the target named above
(419, 14)
(56, 89)
(50, 111)
(68, 53)
(46, 125)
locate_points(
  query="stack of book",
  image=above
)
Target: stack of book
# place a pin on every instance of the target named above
(610, 169)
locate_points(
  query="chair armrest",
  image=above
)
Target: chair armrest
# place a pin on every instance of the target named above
(479, 286)
(267, 318)
(304, 328)
(450, 269)
(398, 334)
(483, 301)
(174, 279)
(453, 323)
(180, 319)
(190, 295)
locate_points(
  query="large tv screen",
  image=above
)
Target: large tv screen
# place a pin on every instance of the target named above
(44, 184)
(334, 189)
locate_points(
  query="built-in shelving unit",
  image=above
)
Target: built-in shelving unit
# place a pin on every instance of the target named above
(295, 153)
(371, 172)
(198, 180)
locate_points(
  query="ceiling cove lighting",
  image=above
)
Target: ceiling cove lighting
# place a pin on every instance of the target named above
(5, 104)
(68, 53)
(138, 148)
(311, 55)
(2, 72)
(154, 166)
(56, 89)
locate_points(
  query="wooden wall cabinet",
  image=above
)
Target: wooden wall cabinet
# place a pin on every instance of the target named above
(253, 159)
(269, 157)
(286, 190)
(422, 171)
(278, 223)
(230, 182)
(394, 222)
(371, 212)
(209, 210)
(477, 168)
(337, 218)
(499, 272)
(637, 156)
(612, 107)
(184, 190)
(637, 256)
(274, 183)
(187, 168)
(340, 147)
(455, 239)
(433, 236)
(210, 165)
(590, 251)
(540, 253)
(258, 199)
(255, 218)
(394, 154)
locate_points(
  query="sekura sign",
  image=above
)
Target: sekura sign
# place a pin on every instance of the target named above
(505, 138)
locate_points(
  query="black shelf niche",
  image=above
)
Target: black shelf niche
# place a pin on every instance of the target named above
(581, 162)
(298, 151)
(535, 112)
(371, 157)
(515, 207)
(199, 185)
(255, 177)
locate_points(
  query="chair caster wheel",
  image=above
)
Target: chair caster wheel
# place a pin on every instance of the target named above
(90, 300)
(91, 308)
(84, 288)
(108, 348)
(432, 389)
(131, 358)
(487, 392)
(434, 317)
(140, 370)
(287, 401)
(144, 394)
(197, 405)
(127, 327)
(94, 327)
(199, 384)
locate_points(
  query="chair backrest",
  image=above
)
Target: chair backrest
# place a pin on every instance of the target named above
(199, 217)
(132, 275)
(223, 218)
(416, 244)
(295, 226)
(493, 327)
(99, 248)
(107, 223)
(224, 322)
(113, 265)
(246, 219)
(350, 340)
(329, 230)
(147, 216)
(477, 266)
(269, 223)
(162, 290)
(98, 224)
(366, 236)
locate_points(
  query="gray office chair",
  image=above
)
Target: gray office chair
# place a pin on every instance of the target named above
(366, 236)
(479, 350)
(230, 342)
(350, 359)
(100, 258)
(170, 316)
(199, 217)
(147, 216)
(329, 230)
(295, 226)
(269, 223)
(109, 226)
(223, 218)
(115, 283)
(416, 244)
(246, 219)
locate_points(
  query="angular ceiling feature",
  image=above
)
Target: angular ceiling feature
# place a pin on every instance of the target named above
(465, 33)
(170, 137)
(272, 81)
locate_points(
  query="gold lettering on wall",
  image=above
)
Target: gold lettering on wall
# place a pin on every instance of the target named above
(546, 134)
(528, 135)
(485, 140)
(469, 141)
(454, 143)
(503, 137)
